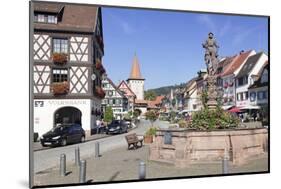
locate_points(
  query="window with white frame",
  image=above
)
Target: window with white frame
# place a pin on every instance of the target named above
(40, 18)
(60, 74)
(60, 45)
(252, 96)
(52, 19)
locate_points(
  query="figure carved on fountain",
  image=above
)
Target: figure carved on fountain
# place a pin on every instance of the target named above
(211, 60)
(211, 54)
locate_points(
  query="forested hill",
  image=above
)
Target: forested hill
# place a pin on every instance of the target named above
(166, 89)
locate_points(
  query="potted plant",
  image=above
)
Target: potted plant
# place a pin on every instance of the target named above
(59, 58)
(150, 133)
(60, 88)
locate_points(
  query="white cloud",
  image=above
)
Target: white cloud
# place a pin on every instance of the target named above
(124, 25)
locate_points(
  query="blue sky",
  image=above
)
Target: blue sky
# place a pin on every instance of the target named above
(169, 44)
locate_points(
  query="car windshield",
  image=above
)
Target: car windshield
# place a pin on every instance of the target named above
(60, 127)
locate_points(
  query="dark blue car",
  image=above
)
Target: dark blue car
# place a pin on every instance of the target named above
(63, 134)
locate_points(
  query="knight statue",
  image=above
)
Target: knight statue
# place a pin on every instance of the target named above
(211, 54)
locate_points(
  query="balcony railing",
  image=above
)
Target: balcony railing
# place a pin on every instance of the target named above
(60, 88)
(60, 58)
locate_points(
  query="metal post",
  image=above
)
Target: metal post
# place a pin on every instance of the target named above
(62, 165)
(97, 149)
(142, 170)
(82, 171)
(77, 156)
(225, 163)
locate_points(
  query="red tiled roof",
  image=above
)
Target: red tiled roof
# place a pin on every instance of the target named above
(224, 64)
(154, 103)
(133, 94)
(140, 101)
(238, 61)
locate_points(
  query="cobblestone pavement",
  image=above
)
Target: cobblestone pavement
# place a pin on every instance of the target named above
(122, 164)
(45, 159)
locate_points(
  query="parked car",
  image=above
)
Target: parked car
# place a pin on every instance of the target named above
(117, 127)
(63, 134)
(128, 122)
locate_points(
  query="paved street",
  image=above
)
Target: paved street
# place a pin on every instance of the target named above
(122, 164)
(49, 158)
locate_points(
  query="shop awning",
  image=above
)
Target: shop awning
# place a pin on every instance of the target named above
(235, 110)
(226, 107)
(250, 107)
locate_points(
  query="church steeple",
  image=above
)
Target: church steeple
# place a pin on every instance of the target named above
(135, 71)
(135, 80)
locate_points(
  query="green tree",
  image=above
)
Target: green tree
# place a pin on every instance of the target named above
(204, 98)
(150, 95)
(134, 114)
(108, 115)
(151, 116)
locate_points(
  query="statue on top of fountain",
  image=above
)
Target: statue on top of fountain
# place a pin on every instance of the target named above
(211, 54)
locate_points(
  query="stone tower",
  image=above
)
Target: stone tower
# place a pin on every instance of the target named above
(135, 80)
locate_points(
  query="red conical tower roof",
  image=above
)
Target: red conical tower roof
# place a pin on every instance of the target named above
(135, 71)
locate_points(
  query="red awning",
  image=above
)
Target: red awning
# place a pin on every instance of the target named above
(235, 110)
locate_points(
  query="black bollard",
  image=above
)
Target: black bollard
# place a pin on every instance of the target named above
(82, 171)
(62, 165)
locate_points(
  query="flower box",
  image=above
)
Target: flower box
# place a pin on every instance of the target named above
(99, 92)
(60, 88)
(59, 58)
(148, 139)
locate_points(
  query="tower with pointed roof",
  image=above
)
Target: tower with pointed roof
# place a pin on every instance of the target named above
(135, 80)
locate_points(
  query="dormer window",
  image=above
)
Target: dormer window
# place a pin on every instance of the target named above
(40, 18)
(52, 19)
(45, 18)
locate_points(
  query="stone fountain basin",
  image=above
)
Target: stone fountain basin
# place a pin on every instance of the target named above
(193, 146)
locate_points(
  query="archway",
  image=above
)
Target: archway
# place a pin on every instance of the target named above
(66, 115)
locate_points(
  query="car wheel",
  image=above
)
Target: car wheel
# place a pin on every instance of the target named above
(64, 142)
(43, 144)
(82, 139)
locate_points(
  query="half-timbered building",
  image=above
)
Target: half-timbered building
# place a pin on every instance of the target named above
(67, 65)
(114, 98)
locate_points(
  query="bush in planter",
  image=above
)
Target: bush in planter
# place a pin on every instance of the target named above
(206, 119)
(148, 137)
(182, 123)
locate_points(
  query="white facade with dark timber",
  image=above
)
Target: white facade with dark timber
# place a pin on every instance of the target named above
(115, 99)
(67, 65)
